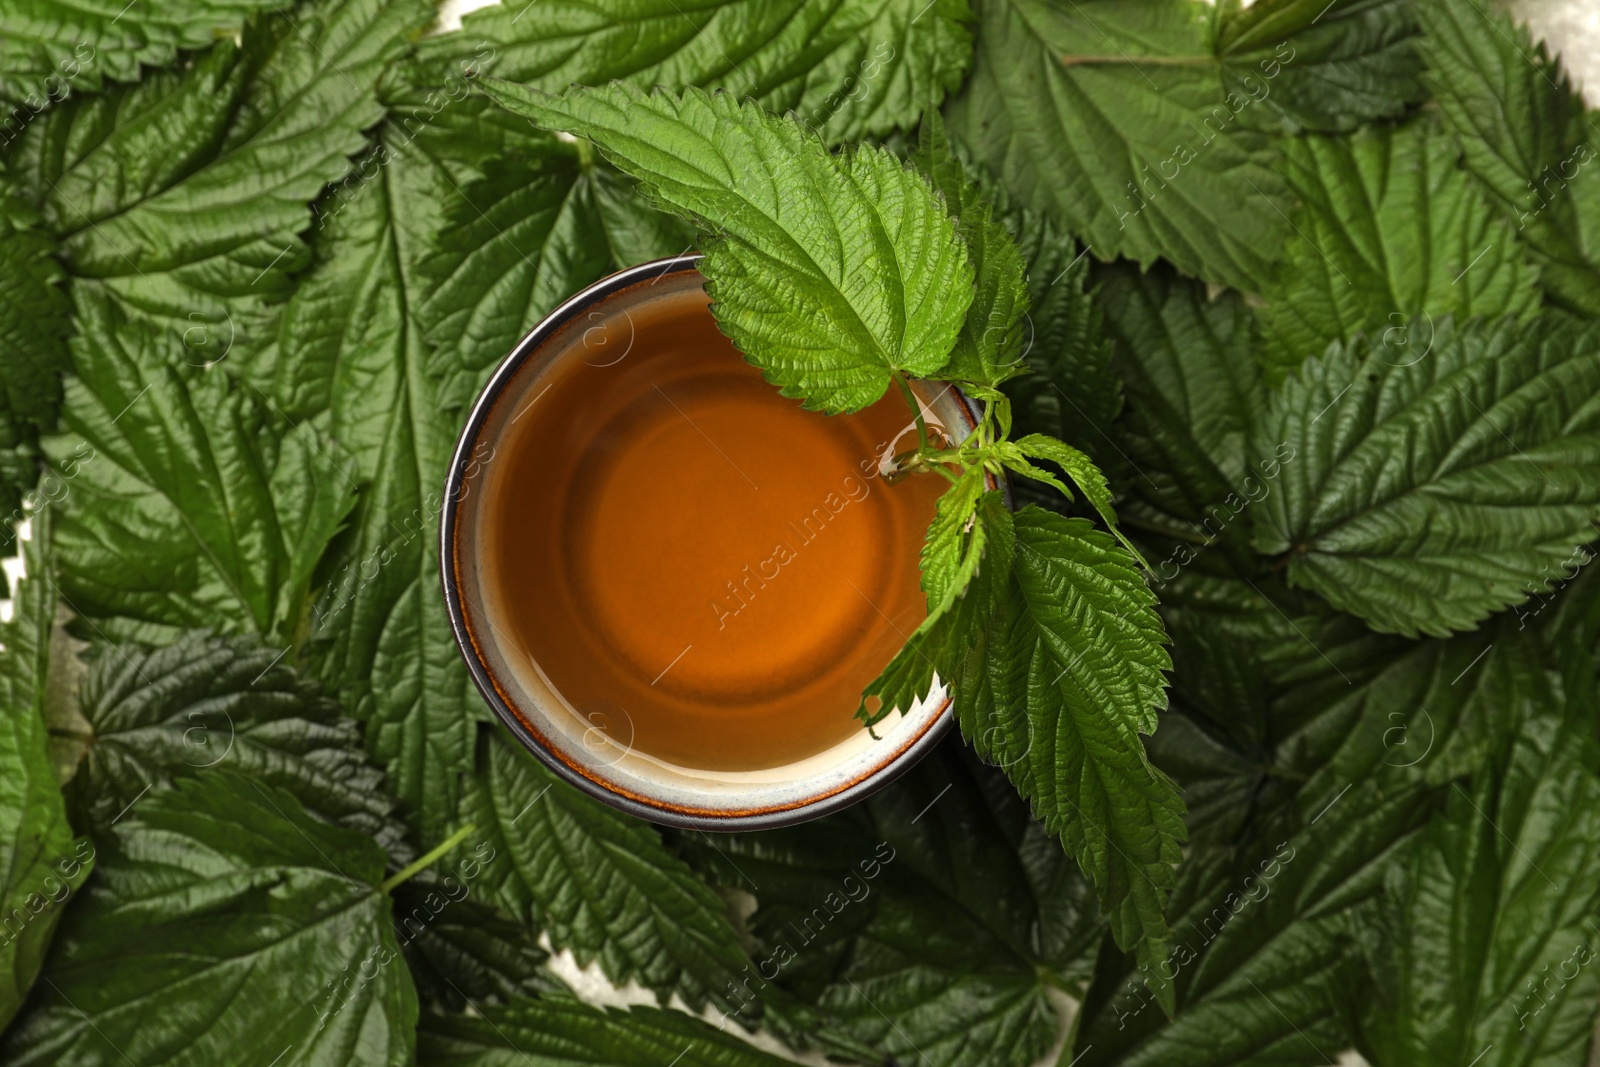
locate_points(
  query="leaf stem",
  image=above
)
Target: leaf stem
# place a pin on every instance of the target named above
(916, 409)
(411, 869)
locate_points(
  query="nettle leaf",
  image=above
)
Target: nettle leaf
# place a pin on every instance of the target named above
(212, 892)
(202, 702)
(829, 293)
(1490, 928)
(352, 357)
(40, 862)
(1430, 494)
(461, 952)
(51, 48)
(1194, 393)
(1064, 679)
(517, 242)
(1069, 389)
(1114, 119)
(600, 883)
(939, 900)
(1319, 65)
(189, 503)
(1524, 134)
(185, 194)
(989, 348)
(1390, 228)
(849, 70)
(563, 1032)
(1259, 934)
(33, 330)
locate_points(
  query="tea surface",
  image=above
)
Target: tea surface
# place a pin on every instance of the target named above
(704, 570)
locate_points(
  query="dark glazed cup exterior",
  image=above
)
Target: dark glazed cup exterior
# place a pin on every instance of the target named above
(500, 692)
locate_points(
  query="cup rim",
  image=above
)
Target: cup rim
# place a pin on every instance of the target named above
(648, 808)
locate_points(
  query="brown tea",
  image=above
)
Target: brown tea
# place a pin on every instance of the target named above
(704, 570)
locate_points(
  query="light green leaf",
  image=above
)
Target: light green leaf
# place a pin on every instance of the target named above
(1490, 936)
(203, 702)
(1320, 65)
(1390, 228)
(185, 194)
(212, 892)
(40, 861)
(847, 69)
(50, 49)
(1112, 117)
(989, 348)
(600, 883)
(830, 292)
(1523, 131)
(1427, 495)
(190, 503)
(560, 1031)
(1065, 677)
(1084, 474)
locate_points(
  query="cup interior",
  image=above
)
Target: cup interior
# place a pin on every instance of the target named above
(594, 750)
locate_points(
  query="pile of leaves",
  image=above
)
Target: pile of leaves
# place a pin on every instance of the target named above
(1293, 753)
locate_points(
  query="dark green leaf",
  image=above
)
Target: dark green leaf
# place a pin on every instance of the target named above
(189, 502)
(213, 892)
(1113, 118)
(464, 953)
(829, 293)
(1390, 228)
(1490, 936)
(184, 195)
(1321, 65)
(33, 330)
(1523, 131)
(847, 69)
(600, 883)
(562, 1032)
(1428, 494)
(203, 702)
(40, 861)
(50, 49)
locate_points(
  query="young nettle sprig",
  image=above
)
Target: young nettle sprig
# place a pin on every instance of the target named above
(841, 275)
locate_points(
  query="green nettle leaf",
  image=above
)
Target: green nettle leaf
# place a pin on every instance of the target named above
(187, 503)
(1490, 936)
(463, 953)
(560, 1031)
(600, 883)
(203, 702)
(40, 863)
(886, 283)
(1064, 678)
(1069, 390)
(1525, 136)
(1321, 65)
(185, 194)
(521, 240)
(989, 348)
(33, 330)
(51, 48)
(211, 894)
(1390, 228)
(1259, 934)
(1427, 495)
(848, 70)
(1114, 119)
(1194, 393)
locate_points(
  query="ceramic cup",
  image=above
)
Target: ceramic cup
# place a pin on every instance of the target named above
(571, 741)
